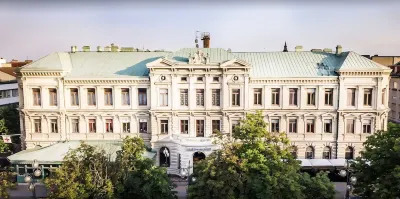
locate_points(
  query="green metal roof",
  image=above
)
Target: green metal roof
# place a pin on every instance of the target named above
(54, 154)
(263, 64)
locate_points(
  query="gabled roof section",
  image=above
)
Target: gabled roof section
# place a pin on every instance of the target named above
(215, 55)
(112, 64)
(160, 62)
(51, 62)
(291, 64)
(234, 62)
(356, 62)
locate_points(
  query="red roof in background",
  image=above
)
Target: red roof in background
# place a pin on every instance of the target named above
(16, 63)
(9, 70)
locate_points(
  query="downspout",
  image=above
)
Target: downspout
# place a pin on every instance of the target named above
(337, 121)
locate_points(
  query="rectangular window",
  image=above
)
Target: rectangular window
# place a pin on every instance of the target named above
(311, 96)
(349, 126)
(328, 126)
(275, 96)
(142, 93)
(92, 125)
(216, 125)
(8, 93)
(53, 123)
(257, 96)
(310, 126)
(367, 126)
(275, 125)
(109, 125)
(126, 127)
(125, 96)
(38, 125)
(234, 124)
(199, 128)
(292, 125)
(108, 96)
(328, 97)
(367, 97)
(184, 126)
(15, 92)
(91, 96)
(215, 79)
(216, 96)
(74, 97)
(199, 79)
(235, 97)
(53, 96)
(163, 97)
(143, 127)
(184, 79)
(200, 97)
(75, 126)
(184, 97)
(351, 97)
(164, 126)
(36, 97)
(293, 96)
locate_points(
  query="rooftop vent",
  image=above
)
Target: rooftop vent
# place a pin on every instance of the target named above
(338, 50)
(316, 50)
(327, 50)
(99, 49)
(73, 49)
(86, 48)
(299, 48)
(127, 49)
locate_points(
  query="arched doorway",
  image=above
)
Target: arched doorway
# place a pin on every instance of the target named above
(164, 157)
(198, 156)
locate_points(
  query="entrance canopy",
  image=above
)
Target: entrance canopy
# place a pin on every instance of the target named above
(54, 154)
(322, 163)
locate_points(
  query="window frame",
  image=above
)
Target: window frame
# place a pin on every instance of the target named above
(125, 97)
(257, 96)
(53, 97)
(293, 96)
(199, 97)
(310, 126)
(142, 96)
(275, 96)
(292, 125)
(311, 96)
(74, 96)
(108, 96)
(145, 125)
(164, 127)
(184, 126)
(200, 128)
(37, 101)
(330, 125)
(213, 125)
(91, 96)
(235, 97)
(92, 126)
(75, 125)
(184, 97)
(216, 97)
(109, 126)
(328, 101)
(367, 97)
(275, 125)
(53, 126)
(163, 97)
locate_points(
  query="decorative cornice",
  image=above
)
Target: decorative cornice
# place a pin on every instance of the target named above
(107, 81)
(39, 73)
(293, 81)
(360, 73)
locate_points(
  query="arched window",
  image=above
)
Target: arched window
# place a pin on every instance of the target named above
(198, 156)
(164, 157)
(293, 151)
(349, 154)
(310, 152)
(327, 153)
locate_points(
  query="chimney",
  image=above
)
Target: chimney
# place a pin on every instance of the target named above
(206, 39)
(86, 49)
(338, 50)
(99, 49)
(299, 48)
(73, 49)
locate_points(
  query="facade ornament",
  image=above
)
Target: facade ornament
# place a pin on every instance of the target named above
(198, 57)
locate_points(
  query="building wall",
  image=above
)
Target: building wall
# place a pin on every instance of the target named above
(8, 93)
(386, 60)
(394, 101)
(185, 145)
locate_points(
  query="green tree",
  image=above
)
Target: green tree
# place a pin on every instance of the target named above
(85, 173)
(378, 168)
(254, 163)
(4, 147)
(10, 115)
(6, 182)
(139, 178)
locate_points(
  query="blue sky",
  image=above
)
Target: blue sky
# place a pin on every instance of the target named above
(35, 30)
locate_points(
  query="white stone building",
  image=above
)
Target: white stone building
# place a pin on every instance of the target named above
(327, 102)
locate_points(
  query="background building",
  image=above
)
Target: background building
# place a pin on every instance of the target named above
(392, 62)
(326, 101)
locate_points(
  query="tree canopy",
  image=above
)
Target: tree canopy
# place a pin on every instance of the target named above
(88, 172)
(6, 182)
(253, 163)
(378, 168)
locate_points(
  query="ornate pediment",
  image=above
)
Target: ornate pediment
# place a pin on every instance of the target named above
(160, 62)
(235, 63)
(199, 57)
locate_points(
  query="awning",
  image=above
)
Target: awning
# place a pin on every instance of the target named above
(54, 154)
(322, 163)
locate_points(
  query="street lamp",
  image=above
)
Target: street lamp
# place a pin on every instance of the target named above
(350, 181)
(185, 172)
(166, 154)
(31, 180)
